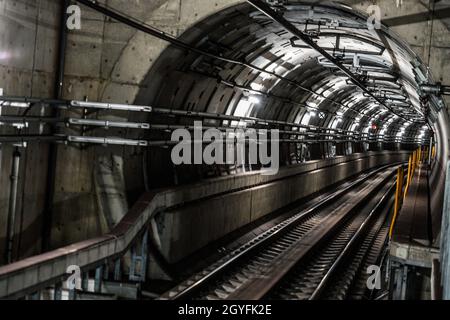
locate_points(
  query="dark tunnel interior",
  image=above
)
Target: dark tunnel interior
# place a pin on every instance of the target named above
(355, 118)
(270, 75)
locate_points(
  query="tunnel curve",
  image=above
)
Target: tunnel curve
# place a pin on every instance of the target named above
(278, 77)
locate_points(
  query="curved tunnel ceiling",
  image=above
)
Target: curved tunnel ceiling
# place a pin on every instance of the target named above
(281, 78)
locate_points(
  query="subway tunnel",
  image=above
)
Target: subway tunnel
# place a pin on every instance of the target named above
(241, 150)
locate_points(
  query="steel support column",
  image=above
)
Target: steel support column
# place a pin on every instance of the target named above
(55, 113)
(10, 226)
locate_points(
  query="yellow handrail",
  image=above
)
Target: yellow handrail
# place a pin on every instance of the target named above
(398, 199)
(413, 162)
(408, 176)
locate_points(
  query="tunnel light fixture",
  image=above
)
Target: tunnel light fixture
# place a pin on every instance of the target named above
(305, 120)
(254, 99)
(243, 109)
(354, 126)
(312, 105)
(257, 86)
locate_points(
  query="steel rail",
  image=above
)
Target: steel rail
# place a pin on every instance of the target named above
(268, 237)
(351, 244)
(259, 287)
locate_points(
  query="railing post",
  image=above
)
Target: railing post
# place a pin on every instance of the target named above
(408, 177)
(133, 263)
(57, 294)
(85, 281)
(430, 151)
(34, 296)
(73, 294)
(117, 270)
(142, 259)
(106, 269)
(98, 279)
(144, 250)
(398, 199)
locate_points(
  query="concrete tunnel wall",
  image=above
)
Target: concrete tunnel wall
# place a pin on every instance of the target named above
(115, 61)
(28, 51)
(124, 81)
(438, 173)
(188, 228)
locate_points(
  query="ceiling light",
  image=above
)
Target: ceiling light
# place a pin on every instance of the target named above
(254, 100)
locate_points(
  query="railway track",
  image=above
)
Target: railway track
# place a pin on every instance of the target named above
(304, 251)
(331, 270)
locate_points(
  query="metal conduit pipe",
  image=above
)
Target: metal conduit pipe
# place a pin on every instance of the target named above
(110, 106)
(23, 120)
(312, 130)
(319, 131)
(52, 150)
(147, 126)
(168, 127)
(23, 140)
(164, 111)
(10, 225)
(24, 102)
(446, 90)
(166, 143)
(436, 89)
(247, 119)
